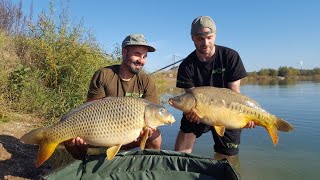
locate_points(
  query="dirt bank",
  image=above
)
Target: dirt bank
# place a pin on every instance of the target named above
(17, 160)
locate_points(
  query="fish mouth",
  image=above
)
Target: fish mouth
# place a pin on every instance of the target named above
(172, 120)
(170, 102)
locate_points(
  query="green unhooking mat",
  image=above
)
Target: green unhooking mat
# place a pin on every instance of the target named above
(147, 164)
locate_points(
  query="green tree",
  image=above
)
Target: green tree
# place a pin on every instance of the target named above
(264, 72)
(293, 72)
(117, 52)
(282, 71)
(273, 72)
(316, 71)
(252, 74)
(287, 71)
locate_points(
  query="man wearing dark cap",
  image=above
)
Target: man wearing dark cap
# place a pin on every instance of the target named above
(123, 80)
(209, 65)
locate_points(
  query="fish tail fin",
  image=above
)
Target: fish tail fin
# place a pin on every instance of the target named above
(39, 137)
(45, 151)
(283, 125)
(273, 132)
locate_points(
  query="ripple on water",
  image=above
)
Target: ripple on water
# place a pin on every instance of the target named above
(276, 165)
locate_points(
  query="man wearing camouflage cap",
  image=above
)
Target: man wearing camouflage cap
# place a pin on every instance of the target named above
(209, 65)
(125, 79)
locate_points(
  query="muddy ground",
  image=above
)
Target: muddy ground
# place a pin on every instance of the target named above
(17, 160)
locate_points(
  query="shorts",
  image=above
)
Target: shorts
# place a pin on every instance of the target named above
(228, 144)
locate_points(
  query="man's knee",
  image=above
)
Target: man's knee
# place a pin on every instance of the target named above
(185, 142)
(154, 142)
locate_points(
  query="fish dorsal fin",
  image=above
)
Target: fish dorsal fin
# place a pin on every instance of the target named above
(145, 137)
(220, 130)
(112, 151)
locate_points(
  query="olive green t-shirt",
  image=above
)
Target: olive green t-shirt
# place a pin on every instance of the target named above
(107, 82)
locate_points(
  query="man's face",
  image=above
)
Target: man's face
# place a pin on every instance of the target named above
(204, 44)
(134, 57)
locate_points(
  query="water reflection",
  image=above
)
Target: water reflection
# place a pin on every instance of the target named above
(233, 160)
(271, 82)
(173, 91)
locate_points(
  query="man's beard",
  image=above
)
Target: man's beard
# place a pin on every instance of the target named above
(205, 51)
(132, 67)
(135, 70)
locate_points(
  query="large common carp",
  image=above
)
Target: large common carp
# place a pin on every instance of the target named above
(226, 109)
(110, 122)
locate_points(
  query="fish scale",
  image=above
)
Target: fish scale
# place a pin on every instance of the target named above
(110, 122)
(226, 109)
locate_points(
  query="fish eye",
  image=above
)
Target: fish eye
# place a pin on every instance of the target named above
(162, 110)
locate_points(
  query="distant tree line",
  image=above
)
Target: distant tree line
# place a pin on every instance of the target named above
(286, 72)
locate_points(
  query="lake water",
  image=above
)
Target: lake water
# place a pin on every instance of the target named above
(296, 155)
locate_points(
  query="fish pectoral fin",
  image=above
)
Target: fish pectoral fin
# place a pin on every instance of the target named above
(45, 151)
(273, 132)
(112, 151)
(197, 113)
(144, 139)
(220, 130)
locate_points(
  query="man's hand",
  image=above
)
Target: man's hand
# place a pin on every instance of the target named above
(77, 147)
(143, 131)
(250, 125)
(76, 142)
(192, 117)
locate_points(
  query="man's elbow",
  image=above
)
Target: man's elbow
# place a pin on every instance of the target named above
(235, 86)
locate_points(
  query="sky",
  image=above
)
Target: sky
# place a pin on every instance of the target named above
(266, 34)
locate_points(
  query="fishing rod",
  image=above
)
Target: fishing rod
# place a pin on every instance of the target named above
(167, 66)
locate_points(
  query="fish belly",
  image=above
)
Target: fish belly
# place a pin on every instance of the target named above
(220, 116)
(222, 112)
(110, 139)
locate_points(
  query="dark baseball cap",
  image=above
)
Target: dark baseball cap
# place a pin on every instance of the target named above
(137, 40)
(202, 22)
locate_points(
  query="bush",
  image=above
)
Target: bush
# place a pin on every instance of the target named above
(56, 65)
(8, 62)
